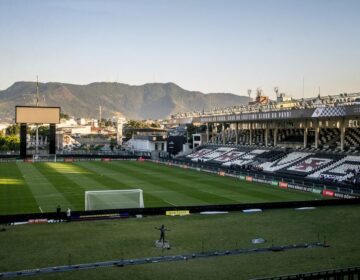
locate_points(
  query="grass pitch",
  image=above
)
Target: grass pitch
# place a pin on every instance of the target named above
(32, 246)
(35, 187)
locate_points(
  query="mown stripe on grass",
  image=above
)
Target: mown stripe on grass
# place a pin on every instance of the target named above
(221, 192)
(225, 190)
(78, 175)
(84, 179)
(250, 192)
(15, 195)
(116, 182)
(125, 181)
(44, 192)
(71, 190)
(147, 184)
(166, 179)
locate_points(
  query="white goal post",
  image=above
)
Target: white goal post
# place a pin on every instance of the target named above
(114, 199)
(44, 158)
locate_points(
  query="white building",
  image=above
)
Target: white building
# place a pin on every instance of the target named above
(148, 140)
(3, 126)
(81, 130)
(67, 123)
(82, 121)
(120, 121)
(199, 139)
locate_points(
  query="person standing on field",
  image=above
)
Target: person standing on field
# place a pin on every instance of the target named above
(162, 233)
(68, 214)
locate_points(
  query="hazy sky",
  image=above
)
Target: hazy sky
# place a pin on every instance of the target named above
(211, 46)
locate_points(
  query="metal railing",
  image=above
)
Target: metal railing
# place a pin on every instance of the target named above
(350, 273)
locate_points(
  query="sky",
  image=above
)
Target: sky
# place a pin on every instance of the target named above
(300, 46)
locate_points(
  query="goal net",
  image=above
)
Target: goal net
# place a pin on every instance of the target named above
(114, 199)
(44, 158)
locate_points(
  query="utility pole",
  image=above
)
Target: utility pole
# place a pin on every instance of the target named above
(37, 126)
(249, 94)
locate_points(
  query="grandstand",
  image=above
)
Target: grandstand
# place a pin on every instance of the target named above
(314, 138)
(330, 122)
(311, 165)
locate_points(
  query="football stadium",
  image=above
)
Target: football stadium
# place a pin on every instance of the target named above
(266, 192)
(176, 140)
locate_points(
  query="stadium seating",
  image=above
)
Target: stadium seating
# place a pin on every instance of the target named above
(213, 154)
(245, 158)
(290, 135)
(271, 155)
(304, 162)
(285, 161)
(311, 164)
(338, 168)
(329, 137)
(352, 137)
(199, 153)
(228, 157)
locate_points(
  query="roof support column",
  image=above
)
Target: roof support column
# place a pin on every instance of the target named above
(223, 133)
(275, 135)
(250, 140)
(305, 135)
(207, 133)
(317, 130)
(237, 133)
(342, 134)
(266, 134)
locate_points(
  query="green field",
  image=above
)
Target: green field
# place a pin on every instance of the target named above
(32, 246)
(27, 187)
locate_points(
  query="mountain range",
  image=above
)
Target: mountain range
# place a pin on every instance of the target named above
(148, 101)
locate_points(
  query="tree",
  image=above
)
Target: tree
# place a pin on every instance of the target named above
(13, 142)
(13, 129)
(106, 123)
(112, 143)
(9, 142)
(134, 124)
(64, 116)
(43, 131)
(191, 129)
(155, 125)
(109, 123)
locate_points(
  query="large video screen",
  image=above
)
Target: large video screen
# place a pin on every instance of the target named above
(37, 115)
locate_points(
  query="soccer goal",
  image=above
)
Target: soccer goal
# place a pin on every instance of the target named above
(114, 199)
(44, 158)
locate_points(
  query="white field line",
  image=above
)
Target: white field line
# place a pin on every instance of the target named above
(170, 203)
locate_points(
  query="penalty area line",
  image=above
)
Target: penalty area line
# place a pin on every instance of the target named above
(170, 203)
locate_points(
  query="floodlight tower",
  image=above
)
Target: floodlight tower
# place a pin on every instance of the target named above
(259, 92)
(249, 94)
(37, 126)
(276, 90)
